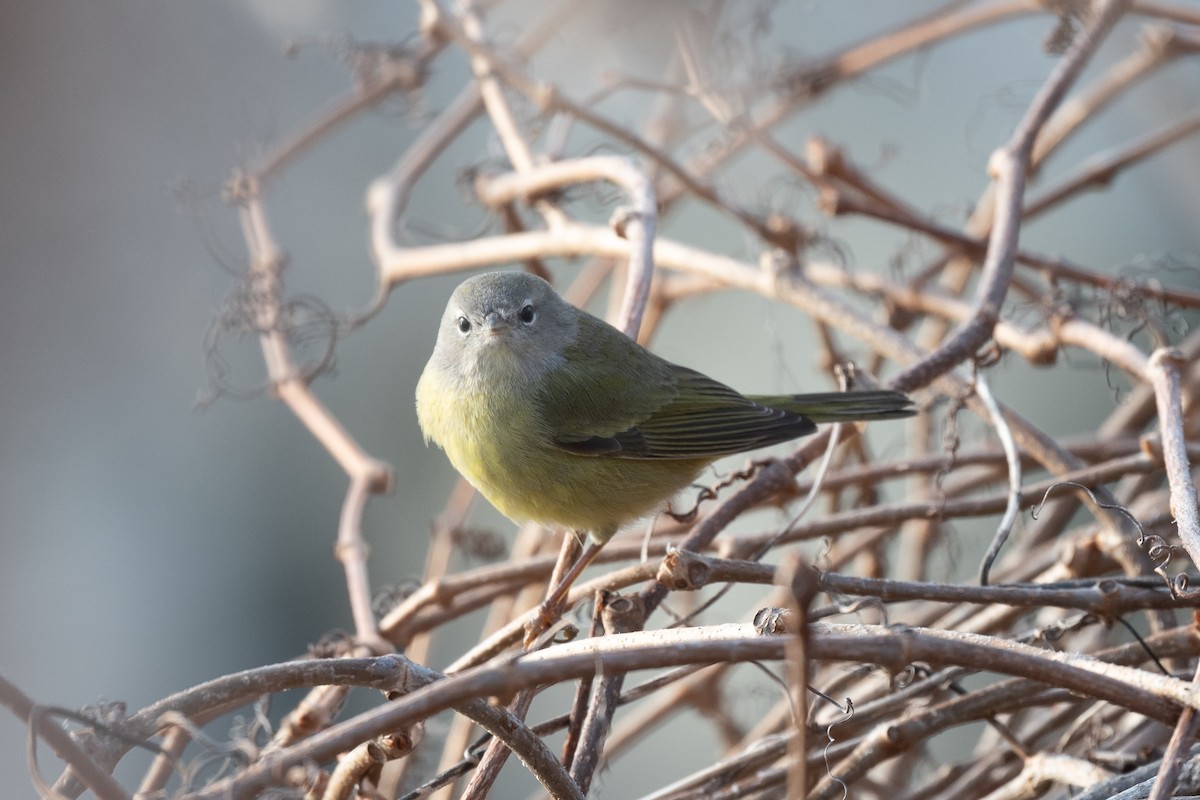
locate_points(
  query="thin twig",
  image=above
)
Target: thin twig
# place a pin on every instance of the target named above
(1164, 376)
(1013, 506)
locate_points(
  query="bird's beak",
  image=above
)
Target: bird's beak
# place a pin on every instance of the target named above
(495, 323)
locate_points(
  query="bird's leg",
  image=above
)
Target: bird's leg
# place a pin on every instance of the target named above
(561, 581)
(572, 546)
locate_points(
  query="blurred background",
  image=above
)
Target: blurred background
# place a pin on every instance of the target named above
(148, 545)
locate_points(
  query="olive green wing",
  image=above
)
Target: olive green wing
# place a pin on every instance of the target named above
(707, 420)
(607, 385)
(617, 400)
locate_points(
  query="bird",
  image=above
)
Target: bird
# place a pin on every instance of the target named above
(559, 418)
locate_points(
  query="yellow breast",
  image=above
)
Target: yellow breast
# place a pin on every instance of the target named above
(501, 444)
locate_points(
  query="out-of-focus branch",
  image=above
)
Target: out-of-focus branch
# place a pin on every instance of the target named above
(366, 473)
(1052, 268)
(813, 80)
(1008, 167)
(636, 225)
(1159, 45)
(1103, 169)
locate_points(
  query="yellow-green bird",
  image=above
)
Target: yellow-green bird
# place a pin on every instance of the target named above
(557, 417)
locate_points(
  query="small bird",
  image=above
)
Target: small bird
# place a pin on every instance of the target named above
(557, 417)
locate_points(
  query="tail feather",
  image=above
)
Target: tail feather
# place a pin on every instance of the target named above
(844, 406)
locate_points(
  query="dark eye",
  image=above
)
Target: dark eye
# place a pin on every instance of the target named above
(464, 324)
(526, 314)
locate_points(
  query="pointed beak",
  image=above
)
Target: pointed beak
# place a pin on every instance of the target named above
(495, 324)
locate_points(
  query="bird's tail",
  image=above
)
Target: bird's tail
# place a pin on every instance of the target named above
(844, 406)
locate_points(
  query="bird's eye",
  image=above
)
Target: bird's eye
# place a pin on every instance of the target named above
(526, 315)
(464, 324)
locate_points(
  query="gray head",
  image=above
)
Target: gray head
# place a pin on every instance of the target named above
(501, 327)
